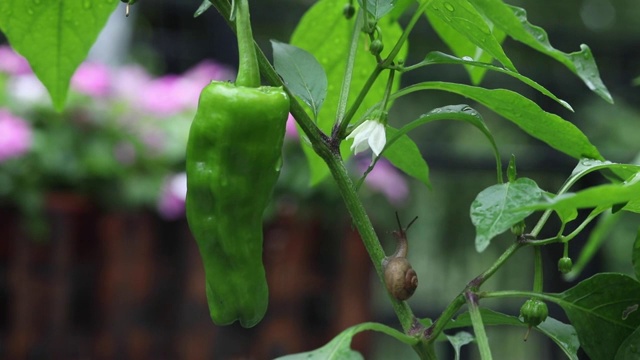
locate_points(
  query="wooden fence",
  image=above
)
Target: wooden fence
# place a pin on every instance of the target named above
(115, 285)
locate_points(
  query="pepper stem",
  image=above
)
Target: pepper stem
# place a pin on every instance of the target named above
(248, 70)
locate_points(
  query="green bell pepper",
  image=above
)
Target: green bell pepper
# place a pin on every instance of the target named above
(233, 162)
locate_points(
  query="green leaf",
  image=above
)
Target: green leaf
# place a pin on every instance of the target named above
(55, 36)
(463, 48)
(466, 20)
(598, 308)
(301, 73)
(437, 57)
(324, 32)
(550, 128)
(635, 257)
(615, 171)
(630, 348)
(459, 340)
(498, 207)
(378, 8)
(206, 4)
(603, 196)
(451, 112)
(405, 155)
(340, 347)
(399, 8)
(563, 335)
(513, 21)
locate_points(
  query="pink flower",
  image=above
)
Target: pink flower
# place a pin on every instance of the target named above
(129, 81)
(12, 63)
(15, 136)
(172, 197)
(386, 179)
(168, 95)
(93, 79)
(291, 131)
(207, 70)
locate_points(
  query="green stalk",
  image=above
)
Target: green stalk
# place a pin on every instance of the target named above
(478, 326)
(537, 270)
(248, 70)
(405, 33)
(363, 224)
(348, 72)
(432, 333)
(340, 129)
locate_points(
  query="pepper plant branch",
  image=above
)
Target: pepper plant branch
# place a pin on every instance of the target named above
(478, 326)
(537, 270)
(363, 224)
(565, 239)
(431, 333)
(339, 131)
(405, 34)
(545, 216)
(348, 73)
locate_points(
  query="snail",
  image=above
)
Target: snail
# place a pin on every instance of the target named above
(399, 277)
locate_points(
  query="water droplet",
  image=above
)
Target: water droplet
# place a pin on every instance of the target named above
(448, 6)
(37, 2)
(30, 11)
(87, 4)
(467, 58)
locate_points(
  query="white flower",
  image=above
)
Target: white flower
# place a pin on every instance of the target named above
(370, 134)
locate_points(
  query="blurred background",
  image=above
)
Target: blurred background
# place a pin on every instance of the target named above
(96, 259)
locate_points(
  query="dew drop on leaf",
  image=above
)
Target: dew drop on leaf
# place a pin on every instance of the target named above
(448, 6)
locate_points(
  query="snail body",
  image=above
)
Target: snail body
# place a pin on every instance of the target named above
(399, 277)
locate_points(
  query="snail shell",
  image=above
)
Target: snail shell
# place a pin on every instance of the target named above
(400, 278)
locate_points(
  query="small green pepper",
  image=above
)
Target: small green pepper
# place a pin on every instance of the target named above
(534, 312)
(233, 161)
(376, 47)
(565, 264)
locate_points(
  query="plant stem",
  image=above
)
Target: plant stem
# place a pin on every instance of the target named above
(431, 333)
(248, 71)
(520, 294)
(340, 129)
(478, 325)
(564, 239)
(363, 224)
(480, 279)
(405, 34)
(348, 73)
(537, 270)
